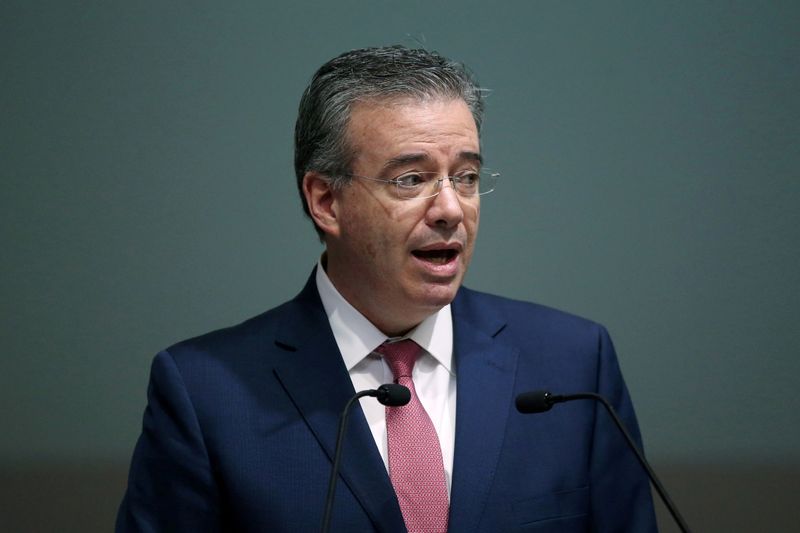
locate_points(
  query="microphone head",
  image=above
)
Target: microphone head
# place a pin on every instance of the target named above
(393, 395)
(537, 401)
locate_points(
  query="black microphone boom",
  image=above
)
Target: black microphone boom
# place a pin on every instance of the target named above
(389, 394)
(541, 401)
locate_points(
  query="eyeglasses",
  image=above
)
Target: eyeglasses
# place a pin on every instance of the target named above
(421, 185)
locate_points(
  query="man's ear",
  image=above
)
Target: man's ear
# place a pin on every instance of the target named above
(321, 202)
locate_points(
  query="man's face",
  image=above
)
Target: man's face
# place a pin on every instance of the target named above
(398, 261)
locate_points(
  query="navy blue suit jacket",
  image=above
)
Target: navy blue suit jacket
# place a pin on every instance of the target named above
(240, 429)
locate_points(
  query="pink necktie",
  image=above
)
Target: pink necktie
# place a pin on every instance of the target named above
(415, 457)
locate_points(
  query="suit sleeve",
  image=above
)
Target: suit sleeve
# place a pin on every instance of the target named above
(170, 485)
(621, 499)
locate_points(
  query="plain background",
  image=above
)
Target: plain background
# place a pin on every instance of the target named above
(650, 154)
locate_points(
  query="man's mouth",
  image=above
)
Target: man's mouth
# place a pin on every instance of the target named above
(437, 257)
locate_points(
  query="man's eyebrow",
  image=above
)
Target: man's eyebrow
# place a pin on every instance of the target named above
(405, 159)
(471, 156)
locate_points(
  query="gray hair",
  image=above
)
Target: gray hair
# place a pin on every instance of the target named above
(369, 74)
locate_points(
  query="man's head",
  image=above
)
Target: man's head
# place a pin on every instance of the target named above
(369, 75)
(368, 117)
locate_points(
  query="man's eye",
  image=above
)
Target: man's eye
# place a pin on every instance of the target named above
(469, 179)
(410, 180)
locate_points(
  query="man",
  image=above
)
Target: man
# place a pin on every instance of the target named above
(241, 423)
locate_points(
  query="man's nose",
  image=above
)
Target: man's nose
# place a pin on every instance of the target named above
(445, 210)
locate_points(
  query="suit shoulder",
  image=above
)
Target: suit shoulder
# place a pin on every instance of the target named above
(523, 314)
(252, 334)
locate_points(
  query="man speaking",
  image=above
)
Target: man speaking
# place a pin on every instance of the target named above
(241, 423)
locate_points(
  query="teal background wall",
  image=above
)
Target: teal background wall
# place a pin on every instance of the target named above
(650, 154)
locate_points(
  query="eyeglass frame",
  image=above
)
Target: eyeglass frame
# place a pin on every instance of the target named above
(456, 179)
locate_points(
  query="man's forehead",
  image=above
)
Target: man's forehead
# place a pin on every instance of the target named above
(416, 122)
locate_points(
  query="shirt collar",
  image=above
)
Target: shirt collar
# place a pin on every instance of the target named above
(357, 337)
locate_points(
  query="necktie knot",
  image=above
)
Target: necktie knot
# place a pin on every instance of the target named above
(400, 356)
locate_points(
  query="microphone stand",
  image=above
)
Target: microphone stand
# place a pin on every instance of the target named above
(390, 395)
(326, 518)
(553, 399)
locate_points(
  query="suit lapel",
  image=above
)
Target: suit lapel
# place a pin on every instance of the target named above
(485, 372)
(316, 379)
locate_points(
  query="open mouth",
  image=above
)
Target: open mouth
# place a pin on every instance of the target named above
(438, 257)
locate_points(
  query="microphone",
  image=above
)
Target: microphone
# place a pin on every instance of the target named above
(390, 395)
(541, 400)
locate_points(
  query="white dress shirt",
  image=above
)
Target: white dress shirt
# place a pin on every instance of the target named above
(434, 376)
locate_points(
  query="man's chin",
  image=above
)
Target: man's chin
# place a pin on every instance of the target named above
(434, 296)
